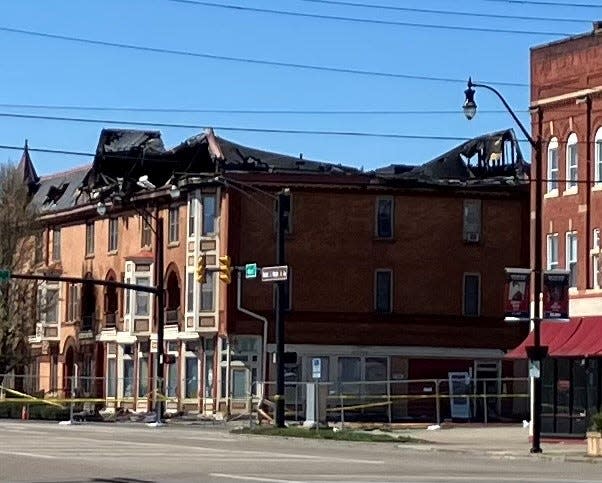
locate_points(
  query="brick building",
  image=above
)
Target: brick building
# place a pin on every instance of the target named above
(566, 106)
(395, 274)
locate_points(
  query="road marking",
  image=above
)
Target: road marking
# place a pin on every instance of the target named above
(29, 455)
(252, 478)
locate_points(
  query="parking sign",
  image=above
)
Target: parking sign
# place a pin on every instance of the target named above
(316, 368)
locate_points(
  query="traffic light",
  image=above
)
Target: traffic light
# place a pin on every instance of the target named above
(225, 269)
(201, 269)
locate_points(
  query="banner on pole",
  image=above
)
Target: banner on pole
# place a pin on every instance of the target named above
(517, 295)
(556, 295)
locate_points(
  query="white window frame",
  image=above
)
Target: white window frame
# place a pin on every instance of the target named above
(391, 285)
(552, 173)
(569, 259)
(572, 164)
(376, 217)
(204, 231)
(173, 232)
(598, 158)
(210, 276)
(479, 294)
(549, 264)
(594, 255)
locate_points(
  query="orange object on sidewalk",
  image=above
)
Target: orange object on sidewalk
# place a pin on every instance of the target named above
(24, 413)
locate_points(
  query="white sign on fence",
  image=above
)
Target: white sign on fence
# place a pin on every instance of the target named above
(316, 368)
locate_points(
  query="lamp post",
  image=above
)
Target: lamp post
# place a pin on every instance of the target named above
(536, 352)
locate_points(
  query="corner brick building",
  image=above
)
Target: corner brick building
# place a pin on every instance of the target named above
(395, 274)
(566, 107)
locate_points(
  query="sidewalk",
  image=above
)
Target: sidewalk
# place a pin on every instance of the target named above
(508, 441)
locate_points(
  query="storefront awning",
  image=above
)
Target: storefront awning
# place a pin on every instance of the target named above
(554, 335)
(585, 342)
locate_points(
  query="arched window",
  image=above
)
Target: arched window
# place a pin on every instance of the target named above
(572, 162)
(598, 155)
(552, 171)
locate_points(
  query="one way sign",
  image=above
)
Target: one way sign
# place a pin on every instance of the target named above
(274, 274)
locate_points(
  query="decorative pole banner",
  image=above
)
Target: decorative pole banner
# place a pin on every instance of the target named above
(517, 295)
(556, 295)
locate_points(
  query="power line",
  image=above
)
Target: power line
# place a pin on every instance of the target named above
(369, 20)
(235, 128)
(543, 2)
(272, 63)
(255, 129)
(344, 112)
(447, 12)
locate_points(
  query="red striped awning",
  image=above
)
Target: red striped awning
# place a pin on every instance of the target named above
(555, 335)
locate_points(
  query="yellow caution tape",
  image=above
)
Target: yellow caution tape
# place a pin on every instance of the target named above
(29, 399)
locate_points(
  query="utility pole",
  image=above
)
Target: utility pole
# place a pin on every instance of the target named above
(160, 318)
(284, 207)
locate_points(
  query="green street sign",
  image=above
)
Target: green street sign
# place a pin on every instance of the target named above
(4, 275)
(251, 270)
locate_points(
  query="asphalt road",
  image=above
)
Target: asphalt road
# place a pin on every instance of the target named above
(44, 452)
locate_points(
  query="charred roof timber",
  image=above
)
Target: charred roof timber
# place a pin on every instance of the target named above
(491, 158)
(126, 158)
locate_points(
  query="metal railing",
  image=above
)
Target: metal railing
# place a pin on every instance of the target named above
(425, 400)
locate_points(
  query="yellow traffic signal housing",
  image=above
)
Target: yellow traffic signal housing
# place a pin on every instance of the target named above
(201, 269)
(225, 269)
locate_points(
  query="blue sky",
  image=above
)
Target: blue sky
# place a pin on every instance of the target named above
(56, 72)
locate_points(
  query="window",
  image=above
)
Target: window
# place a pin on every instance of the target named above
(192, 204)
(146, 232)
(143, 375)
(172, 379)
(90, 238)
(192, 376)
(142, 299)
(571, 257)
(73, 302)
(572, 161)
(207, 294)
(383, 291)
(552, 244)
(174, 225)
(208, 367)
(384, 217)
(598, 155)
(471, 219)
(190, 292)
(472, 295)
(112, 377)
(208, 214)
(350, 371)
(128, 377)
(552, 174)
(113, 234)
(52, 305)
(595, 259)
(56, 244)
(127, 298)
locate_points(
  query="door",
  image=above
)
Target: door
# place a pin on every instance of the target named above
(459, 392)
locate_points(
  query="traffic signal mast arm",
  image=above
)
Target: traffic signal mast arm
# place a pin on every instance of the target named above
(93, 281)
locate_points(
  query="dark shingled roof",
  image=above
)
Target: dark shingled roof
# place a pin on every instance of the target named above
(60, 191)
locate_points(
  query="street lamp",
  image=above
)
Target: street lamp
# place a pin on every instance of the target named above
(536, 353)
(101, 208)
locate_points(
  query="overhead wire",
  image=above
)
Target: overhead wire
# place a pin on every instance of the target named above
(246, 60)
(396, 23)
(547, 3)
(445, 12)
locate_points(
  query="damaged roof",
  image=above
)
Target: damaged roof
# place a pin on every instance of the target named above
(485, 159)
(123, 156)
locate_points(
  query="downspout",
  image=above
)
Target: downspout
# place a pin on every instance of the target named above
(258, 317)
(588, 192)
